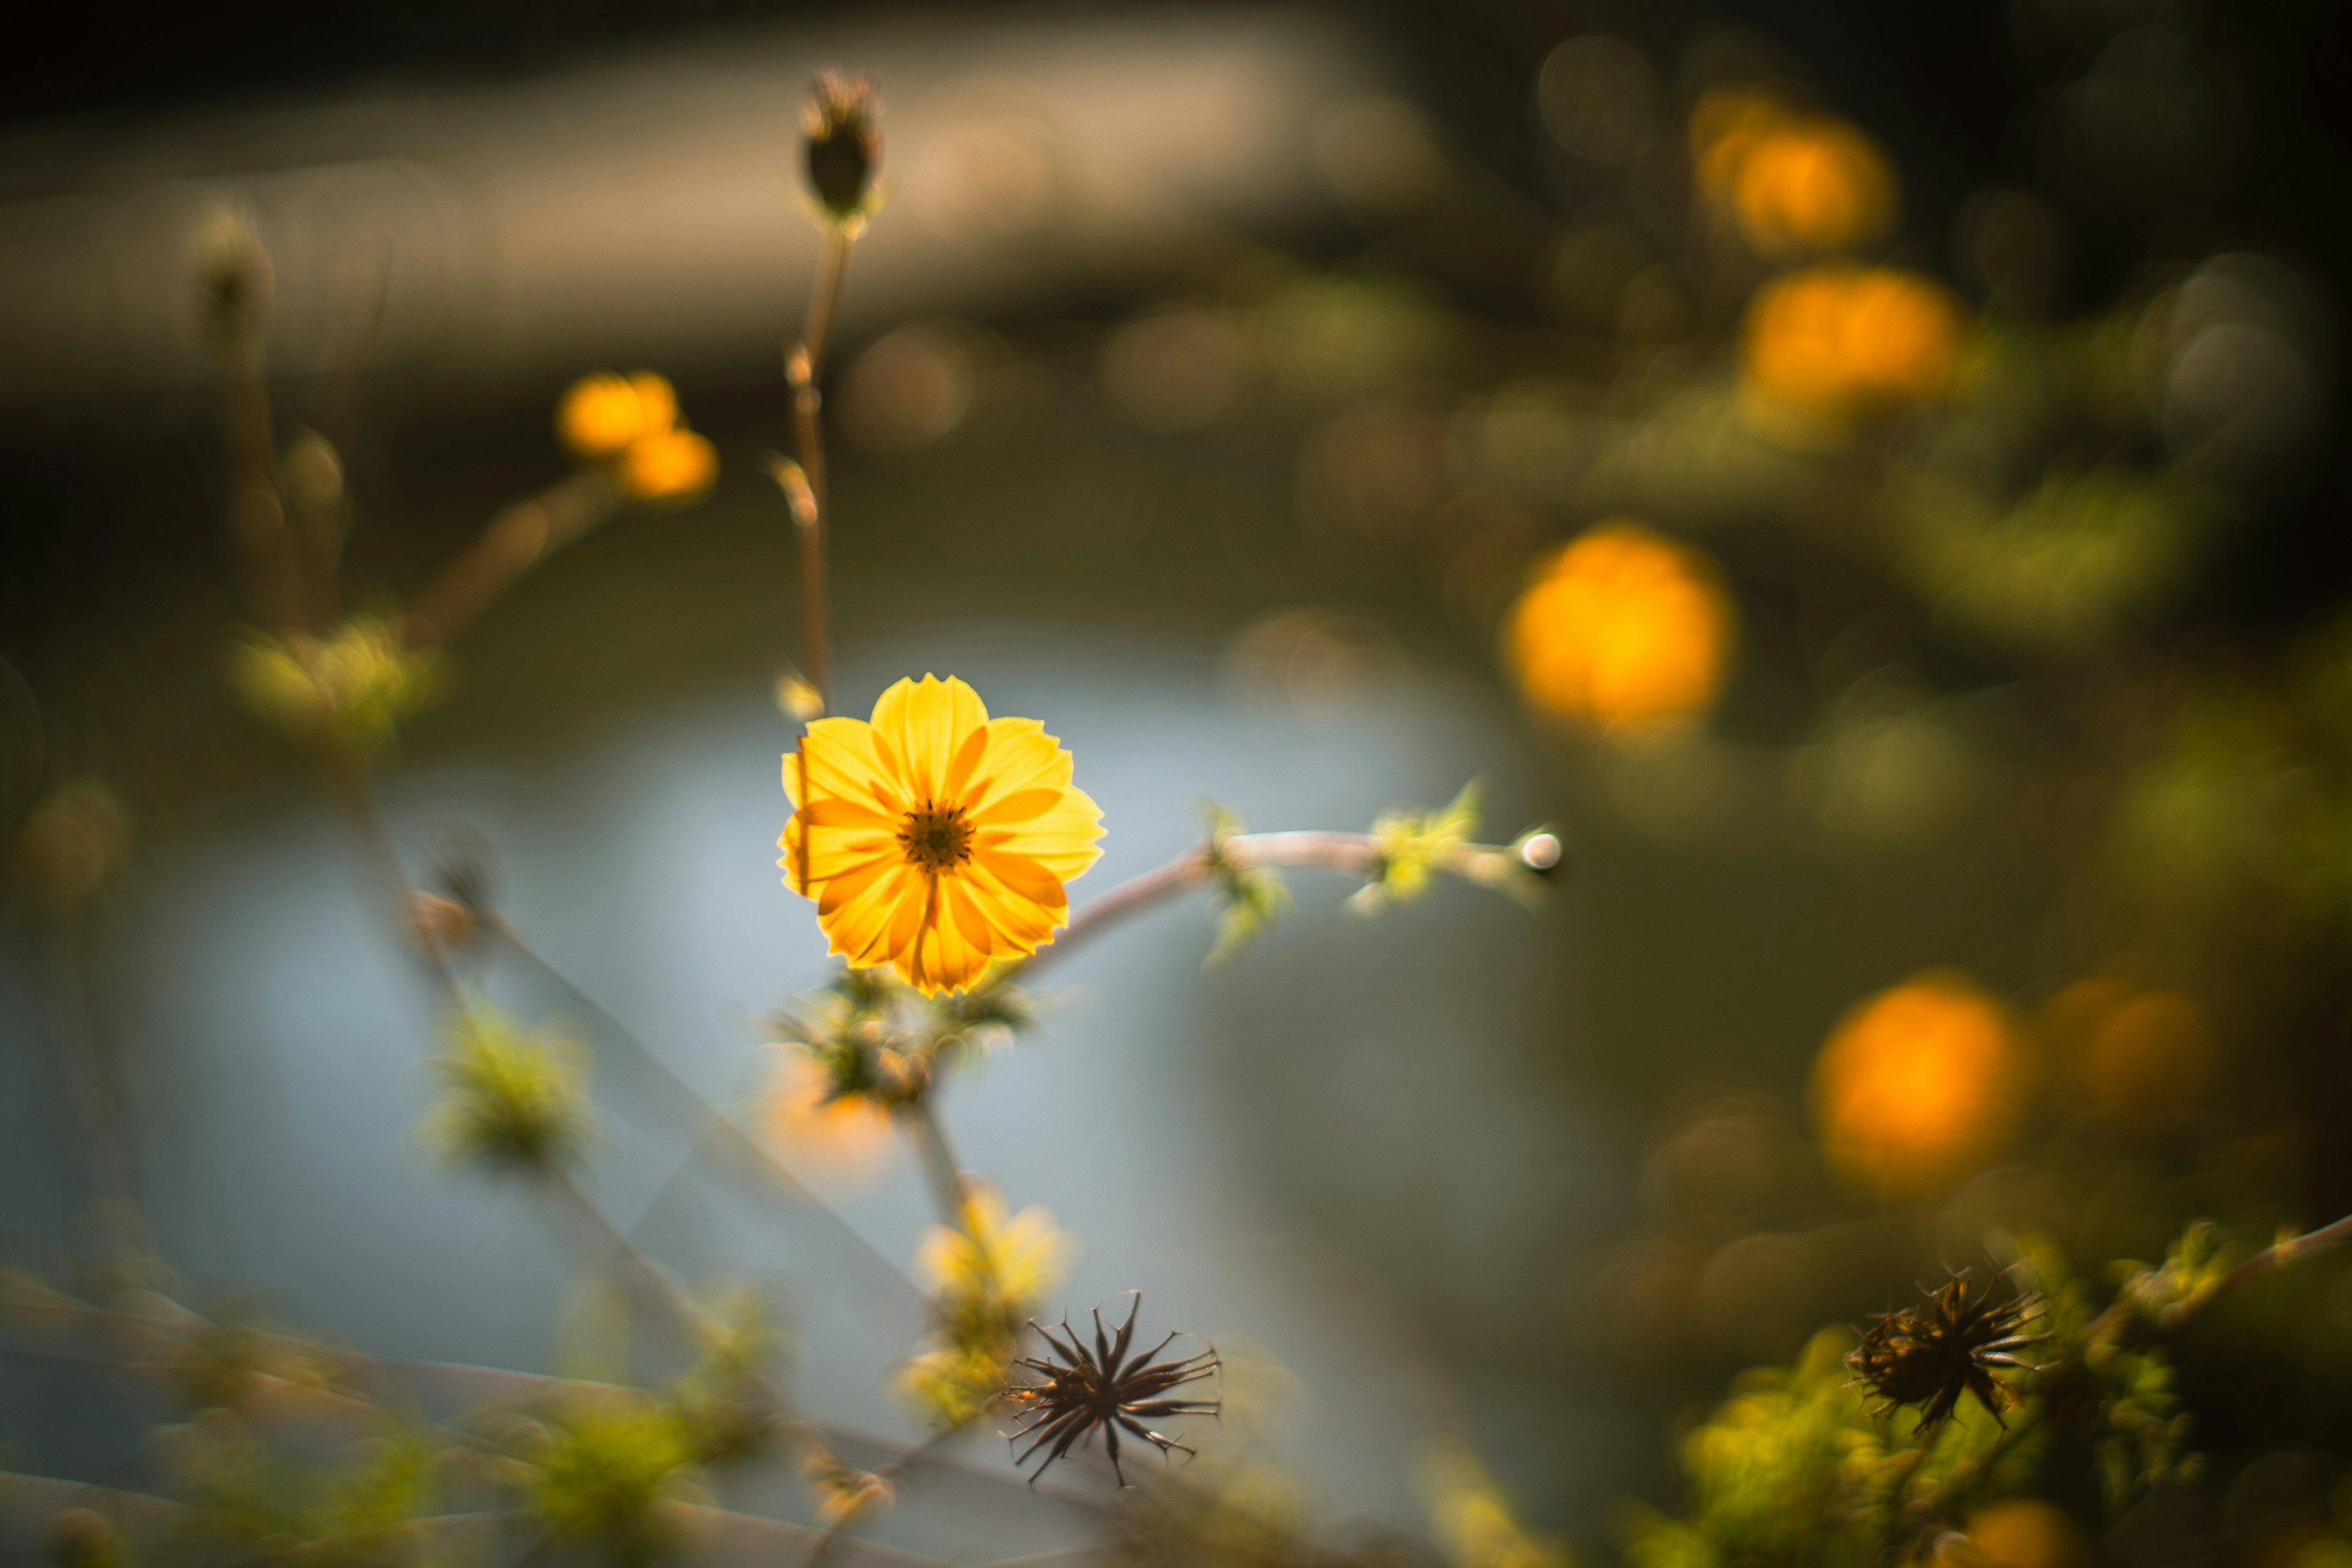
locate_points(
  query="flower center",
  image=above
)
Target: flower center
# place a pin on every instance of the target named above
(935, 837)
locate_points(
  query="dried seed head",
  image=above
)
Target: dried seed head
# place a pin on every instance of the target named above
(845, 148)
(1104, 1387)
(1930, 1354)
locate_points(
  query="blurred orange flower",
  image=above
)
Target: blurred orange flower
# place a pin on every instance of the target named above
(2138, 1054)
(1838, 341)
(1794, 183)
(1918, 1084)
(818, 1131)
(934, 839)
(1622, 627)
(602, 414)
(672, 464)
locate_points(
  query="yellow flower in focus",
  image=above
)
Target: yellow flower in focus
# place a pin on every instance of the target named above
(990, 1259)
(603, 413)
(1918, 1084)
(1622, 627)
(672, 465)
(847, 1135)
(1793, 182)
(934, 839)
(1838, 341)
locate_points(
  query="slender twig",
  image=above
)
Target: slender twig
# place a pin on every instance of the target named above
(517, 539)
(2269, 1260)
(930, 1137)
(256, 511)
(1358, 853)
(804, 365)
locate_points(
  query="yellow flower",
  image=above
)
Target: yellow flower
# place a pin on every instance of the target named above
(1842, 340)
(1013, 1261)
(1621, 627)
(1919, 1084)
(934, 839)
(602, 414)
(671, 465)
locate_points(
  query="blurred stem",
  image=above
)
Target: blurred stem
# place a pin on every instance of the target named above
(939, 1160)
(2269, 1260)
(517, 539)
(803, 367)
(354, 790)
(257, 513)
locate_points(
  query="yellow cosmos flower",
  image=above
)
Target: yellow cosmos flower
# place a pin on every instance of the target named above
(1621, 627)
(934, 839)
(672, 464)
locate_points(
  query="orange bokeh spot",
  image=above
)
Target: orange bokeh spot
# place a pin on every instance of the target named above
(1622, 627)
(1918, 1084)
(2137, 1055)
(602, 414)
(1843, 340)
(846, 1140)
(1794, 183)
(668, 466)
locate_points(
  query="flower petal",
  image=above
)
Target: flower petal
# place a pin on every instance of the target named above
(925, 724)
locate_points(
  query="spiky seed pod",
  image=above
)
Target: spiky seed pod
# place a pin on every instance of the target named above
(1930, 1354)
(845, 148)
(1106, 1388)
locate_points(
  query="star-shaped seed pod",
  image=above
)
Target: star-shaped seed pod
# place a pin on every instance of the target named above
(1931, 1354)
(1104, 1387)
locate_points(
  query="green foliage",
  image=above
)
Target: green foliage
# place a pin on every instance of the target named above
(607, 1469)
(510, 1102)
(1413, 847)
(358, 1515)
(1252, 895)
(346, 693)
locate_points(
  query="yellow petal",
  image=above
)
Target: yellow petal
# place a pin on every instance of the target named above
(925, 724)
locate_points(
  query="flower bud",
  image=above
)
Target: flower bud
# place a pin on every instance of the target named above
(233, 278)
(843, 146)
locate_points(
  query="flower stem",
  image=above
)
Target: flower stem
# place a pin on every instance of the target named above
(804, 363)
(1352, 852)
(939, 1160)
(517, 539)
(257, 510)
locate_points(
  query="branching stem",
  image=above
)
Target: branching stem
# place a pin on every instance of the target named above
(804, 365)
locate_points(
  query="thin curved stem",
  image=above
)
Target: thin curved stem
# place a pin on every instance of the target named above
(803, 365)
(1353, 852)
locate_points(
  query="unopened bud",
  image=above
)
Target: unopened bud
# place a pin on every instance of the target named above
(443, 925)
(314, 471)
(845, 148)
(233, 278)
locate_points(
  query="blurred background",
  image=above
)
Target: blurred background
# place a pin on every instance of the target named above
(1867, 477)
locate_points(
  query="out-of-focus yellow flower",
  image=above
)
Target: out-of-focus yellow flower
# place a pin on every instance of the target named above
(991, 1257)
(952, 1384)
(933, 839)
(1472, 1519)
(1621, 627)
(603, 415)
(74, 838)
(1840, 341)
(2140, 1055)
(1918, 1084)
(813, 1125)
(1793, 182)
(348, 691)
(987, 1277)
(674, 465)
